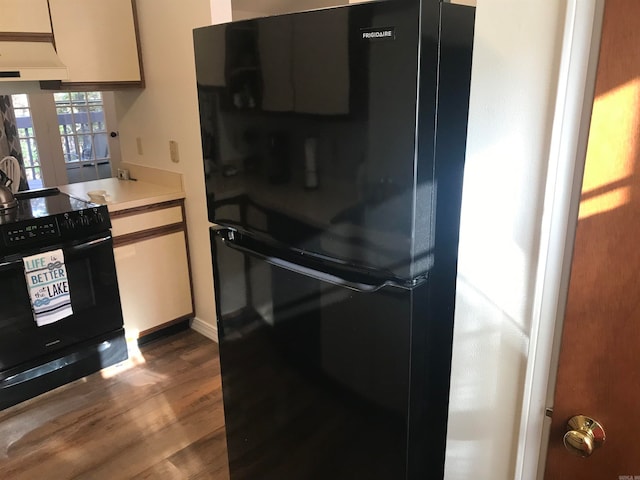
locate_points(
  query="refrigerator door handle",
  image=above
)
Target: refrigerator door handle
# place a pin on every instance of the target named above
(231, 239)
(326, 277)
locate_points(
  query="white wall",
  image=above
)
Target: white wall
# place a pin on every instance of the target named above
(221, 11)
(517, 53)
(167, 109)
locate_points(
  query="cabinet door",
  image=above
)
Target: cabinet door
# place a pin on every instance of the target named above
(154, 282)
(24, 16)
(98, 42)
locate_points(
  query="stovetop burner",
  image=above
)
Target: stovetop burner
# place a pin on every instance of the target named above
(46, 216)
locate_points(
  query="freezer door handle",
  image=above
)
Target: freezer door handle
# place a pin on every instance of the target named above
(324, 276)
(235, 241)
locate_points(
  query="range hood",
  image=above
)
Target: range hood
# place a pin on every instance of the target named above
(30, 61)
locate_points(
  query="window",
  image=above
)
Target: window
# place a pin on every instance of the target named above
(27, 136)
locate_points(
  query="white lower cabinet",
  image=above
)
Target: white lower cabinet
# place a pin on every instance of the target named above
(153, 267)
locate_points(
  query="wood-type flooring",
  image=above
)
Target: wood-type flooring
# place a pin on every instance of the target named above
(157, 416)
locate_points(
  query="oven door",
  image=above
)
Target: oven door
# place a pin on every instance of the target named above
(95, 301)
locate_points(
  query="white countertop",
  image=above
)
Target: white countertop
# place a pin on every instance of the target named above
(124, 194)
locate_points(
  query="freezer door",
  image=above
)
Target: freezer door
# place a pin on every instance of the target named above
(315, 374)
(308, 128)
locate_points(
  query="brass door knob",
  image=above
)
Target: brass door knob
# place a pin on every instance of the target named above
(583, 435)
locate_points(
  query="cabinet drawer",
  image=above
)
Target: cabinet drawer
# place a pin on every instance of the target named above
(146, 221)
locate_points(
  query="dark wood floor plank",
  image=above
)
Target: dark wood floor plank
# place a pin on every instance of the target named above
(164, 470)
(161, 418)
(205, 458)
(115, 423)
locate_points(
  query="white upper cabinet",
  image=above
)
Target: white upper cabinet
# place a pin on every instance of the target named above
(24, 16)
(97, 40)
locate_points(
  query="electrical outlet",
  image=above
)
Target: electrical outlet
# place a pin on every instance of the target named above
(173, 151)
(139, 145)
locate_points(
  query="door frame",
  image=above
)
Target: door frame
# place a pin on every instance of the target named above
(567, 154)
(111, 122)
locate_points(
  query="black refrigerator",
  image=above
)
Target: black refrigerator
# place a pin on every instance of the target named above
(334, 146)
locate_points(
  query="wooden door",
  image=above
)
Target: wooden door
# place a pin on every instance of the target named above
(599, 372)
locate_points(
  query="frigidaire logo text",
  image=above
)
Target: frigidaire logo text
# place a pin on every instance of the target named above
(386, 33)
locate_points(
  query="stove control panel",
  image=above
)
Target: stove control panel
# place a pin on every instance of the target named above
(90, 219)
(45, 231)
(31, 232)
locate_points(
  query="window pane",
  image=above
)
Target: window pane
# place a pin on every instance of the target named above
(26, 135)
(20, 100)
(24, 121)
(33, 152)
(62, 97)
(101, 146)
(81, 119)
(86, 147)
(65, 120)
(97, 119)
(69, 148)
(24, 147)
(22, 112)
(78, 97)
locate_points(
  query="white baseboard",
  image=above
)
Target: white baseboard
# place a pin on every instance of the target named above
(206, 329)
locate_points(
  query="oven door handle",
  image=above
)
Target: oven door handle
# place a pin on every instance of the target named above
(90, 244)
(70, 249)
(9, 265)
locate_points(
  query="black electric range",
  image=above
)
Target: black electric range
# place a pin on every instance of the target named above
(47, 216)
(37, 357)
